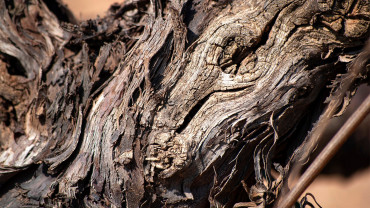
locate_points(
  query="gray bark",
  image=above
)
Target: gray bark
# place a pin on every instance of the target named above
(165, 103)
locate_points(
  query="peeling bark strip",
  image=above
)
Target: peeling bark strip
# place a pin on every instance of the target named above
(165, 103)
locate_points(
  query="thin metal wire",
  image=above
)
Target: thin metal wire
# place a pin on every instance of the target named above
(327, 153)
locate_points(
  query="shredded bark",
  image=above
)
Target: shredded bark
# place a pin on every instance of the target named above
(166, 103)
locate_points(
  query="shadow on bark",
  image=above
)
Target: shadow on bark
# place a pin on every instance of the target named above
(166, 103)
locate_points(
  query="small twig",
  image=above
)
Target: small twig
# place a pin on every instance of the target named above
(329, 151)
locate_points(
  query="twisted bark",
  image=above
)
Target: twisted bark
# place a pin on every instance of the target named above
(165, 103)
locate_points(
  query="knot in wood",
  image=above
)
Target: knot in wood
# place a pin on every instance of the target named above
(167, 154)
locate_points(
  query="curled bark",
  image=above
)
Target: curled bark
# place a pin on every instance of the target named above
(176, 103)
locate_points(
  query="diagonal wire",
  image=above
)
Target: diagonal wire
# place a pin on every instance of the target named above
(327, 153)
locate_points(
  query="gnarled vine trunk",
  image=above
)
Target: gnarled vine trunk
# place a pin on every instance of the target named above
(165, 103)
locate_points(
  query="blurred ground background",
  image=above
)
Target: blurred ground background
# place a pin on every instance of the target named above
(85, 9)
(345, 182)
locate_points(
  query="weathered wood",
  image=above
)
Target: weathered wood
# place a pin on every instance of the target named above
(165, 103)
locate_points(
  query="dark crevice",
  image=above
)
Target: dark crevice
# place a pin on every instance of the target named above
(7, 119)
(134, 97)
(199, 105)
(42, 119)
(192, 113)
(293, 139)
(159, 62)
(266, 32)
(350, 9)
(84, 187)
(261, 129)
(136, 94)
(103, 77)
(189, 11)
(14, 66)
(236, 89)
(354, 49)
(17, 177)
(8, 113)
(9, 4)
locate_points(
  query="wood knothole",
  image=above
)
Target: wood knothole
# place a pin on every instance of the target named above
(236, 61)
